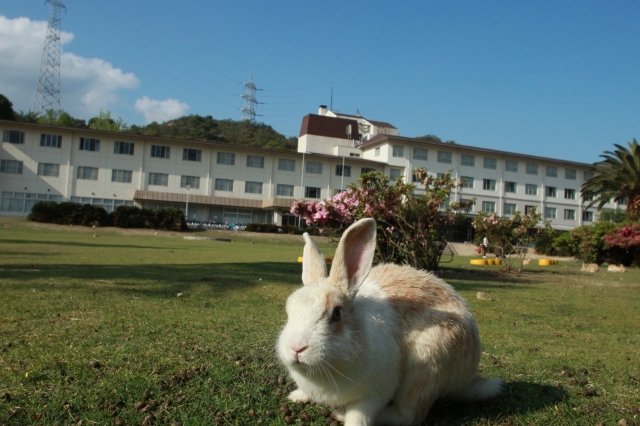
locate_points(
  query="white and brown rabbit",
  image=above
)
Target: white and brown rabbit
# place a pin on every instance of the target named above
(379, 344)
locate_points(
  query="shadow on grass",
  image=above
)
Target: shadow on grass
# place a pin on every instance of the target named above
(152, 280)
(517, 398)
(96, 244)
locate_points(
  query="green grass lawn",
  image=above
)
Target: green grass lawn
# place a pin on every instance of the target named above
(138, 327)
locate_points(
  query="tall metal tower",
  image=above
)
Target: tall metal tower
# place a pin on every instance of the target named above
(48, 91)
(250, 101)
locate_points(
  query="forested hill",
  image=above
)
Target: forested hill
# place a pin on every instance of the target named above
(196, 127)
(191, 127)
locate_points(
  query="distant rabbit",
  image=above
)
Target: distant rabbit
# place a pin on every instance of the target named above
(616, 268)
(378, 344)
(589, 267)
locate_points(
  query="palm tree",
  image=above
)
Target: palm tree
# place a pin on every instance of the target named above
(616, 176)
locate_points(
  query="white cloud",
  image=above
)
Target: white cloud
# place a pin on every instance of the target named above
(87, 85)
(160, 110)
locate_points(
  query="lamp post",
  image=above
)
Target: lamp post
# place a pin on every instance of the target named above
(186, 210)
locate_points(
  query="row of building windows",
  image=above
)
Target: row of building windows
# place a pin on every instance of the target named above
(491, 163)
(50, 169)
(510, 209)
(512, 187)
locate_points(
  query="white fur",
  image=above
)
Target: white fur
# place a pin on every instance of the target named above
(401, 339)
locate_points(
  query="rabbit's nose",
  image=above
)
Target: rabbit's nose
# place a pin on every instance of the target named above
(297, 350)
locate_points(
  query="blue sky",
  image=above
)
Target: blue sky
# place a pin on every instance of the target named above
(550, 78)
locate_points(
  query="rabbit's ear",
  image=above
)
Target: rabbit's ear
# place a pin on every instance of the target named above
(354, 256)
(314, 267)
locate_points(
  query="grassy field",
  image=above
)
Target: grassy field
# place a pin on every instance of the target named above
(135, 327)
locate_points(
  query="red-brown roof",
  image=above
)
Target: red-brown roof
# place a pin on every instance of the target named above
(332, 127)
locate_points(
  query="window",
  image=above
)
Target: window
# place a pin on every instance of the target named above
(569, 214)
(569, 194)
(124, 176)
(467, 181)
(489, 184)
(224, 185)
(588, 174)
(253, 187)
(549, 212)
(256, 161)
(87, 173)
(48, 169)
(468, 160)
(511, 165)
(377, 151)
(588, 196)
(159, 179)
(550, 192)
(531, 189)
(490, 163)
(530, 209)
(226, 158)
(587, 216)
(190, 181)
(420, 153)
(552, 171)
(622, 201)
(89, 144)
(50, 141)
(366, 170)
(570, 174)
(489, 206)
(125, 148)
(311, 192)
(13, 167)
(286, 164)
(190, 154)
(468, 203)
(532, 169)
(444, 157)
(343, 170)
(509, 209)
(510, 186)
(313, 167)
(160, 151)
(284, 190)
(354, 154)
(13, 136)
(395, 173)
(397, 151)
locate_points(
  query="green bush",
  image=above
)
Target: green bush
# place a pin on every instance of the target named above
(44, 211)
(67, 213)
(544, 242)
(589, 242)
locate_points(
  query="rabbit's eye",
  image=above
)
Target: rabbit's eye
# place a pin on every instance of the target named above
(336, 314)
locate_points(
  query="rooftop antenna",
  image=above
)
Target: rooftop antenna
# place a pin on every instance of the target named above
(48, 92)
(331, 100)
(250, 101)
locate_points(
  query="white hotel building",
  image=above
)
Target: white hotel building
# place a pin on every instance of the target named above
(237, 184)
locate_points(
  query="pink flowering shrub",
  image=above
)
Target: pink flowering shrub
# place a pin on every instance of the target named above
(623, 244)
(626, 237)
(508, 235)
(410, 224)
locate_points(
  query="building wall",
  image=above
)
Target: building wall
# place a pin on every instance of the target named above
(255, 175)
(261, 189)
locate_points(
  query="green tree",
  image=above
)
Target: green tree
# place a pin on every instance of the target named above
(616, 177)
(61, 118)
(6, 109)
(104, 121)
